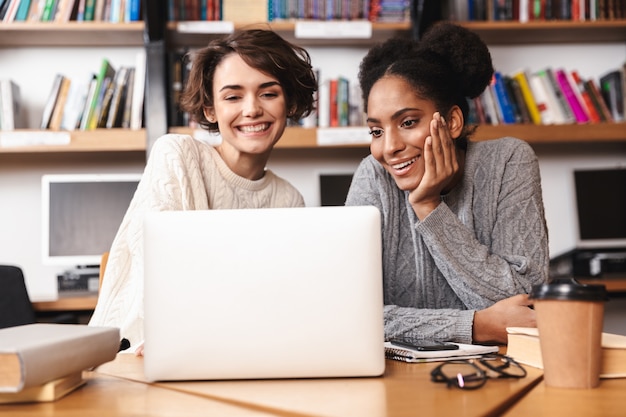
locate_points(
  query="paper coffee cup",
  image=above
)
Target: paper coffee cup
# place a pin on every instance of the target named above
(570, 319)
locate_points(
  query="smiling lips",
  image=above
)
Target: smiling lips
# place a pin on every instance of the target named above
(401, 166)
(254, 128)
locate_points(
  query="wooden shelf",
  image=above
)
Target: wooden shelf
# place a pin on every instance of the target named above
(306, 138)
(380, 32)
(553, 31)
(21, 34)
(34, 34)
(593, 132)
(99, 140)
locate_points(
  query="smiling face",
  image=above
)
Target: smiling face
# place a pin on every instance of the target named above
(399, 122)
(249, 107)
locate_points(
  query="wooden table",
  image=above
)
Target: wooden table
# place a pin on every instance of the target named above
(119, 389)
(67, 303)
(607, 400)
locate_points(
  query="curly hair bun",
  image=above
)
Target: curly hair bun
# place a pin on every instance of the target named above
(467, 55)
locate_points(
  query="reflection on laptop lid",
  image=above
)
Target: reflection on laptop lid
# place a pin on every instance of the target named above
(263, 293)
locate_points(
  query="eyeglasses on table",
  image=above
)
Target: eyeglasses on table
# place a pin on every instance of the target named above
(471, 374)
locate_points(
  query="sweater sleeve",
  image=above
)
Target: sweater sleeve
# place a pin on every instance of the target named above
(508, 252)
(370, 186)
(169, 182)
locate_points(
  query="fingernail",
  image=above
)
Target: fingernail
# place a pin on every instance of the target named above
(443, 121)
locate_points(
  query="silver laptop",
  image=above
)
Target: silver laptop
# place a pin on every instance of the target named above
(263, 293)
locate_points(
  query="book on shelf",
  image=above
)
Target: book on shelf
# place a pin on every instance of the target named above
(523, 345)
(563, 103)
(545, 99)
(106, 72)
(519, 104)
(611, 87)
(49, 391)
(522, 79)
(51, 101)
(90, 9)
(75, 104)
(11, 11)
(47, 13)
(591, 86)
(503, 99)
(57, 113)
(34, 354)
(22, 10)
(136, 110)
(64, 11)
(116, 107)
(570, 93)
(11, 114)
(590, 107)
(323, 103)
(489, 105)
(128, 99)
(465, 351)
(557, 108)
(34, 13)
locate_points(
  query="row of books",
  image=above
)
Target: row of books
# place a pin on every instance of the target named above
(111, 98)
(550, 96)
(532, 10)
(114, 11)
(272, 10)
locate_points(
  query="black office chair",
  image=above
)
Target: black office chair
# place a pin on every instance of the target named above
(15, 305)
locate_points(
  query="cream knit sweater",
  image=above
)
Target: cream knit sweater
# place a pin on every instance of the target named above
(181, 174)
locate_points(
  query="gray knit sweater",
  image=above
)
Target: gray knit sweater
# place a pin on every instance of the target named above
(486, 241)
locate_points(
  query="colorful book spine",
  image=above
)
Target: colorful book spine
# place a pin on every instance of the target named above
(527, 93)
(590, 106)
(570, 95)
(503, 99)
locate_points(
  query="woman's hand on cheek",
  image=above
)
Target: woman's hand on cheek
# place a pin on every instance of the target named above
(440, 166)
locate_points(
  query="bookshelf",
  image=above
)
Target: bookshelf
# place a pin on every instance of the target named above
(493, 33)
(37, 34)
(73, 34)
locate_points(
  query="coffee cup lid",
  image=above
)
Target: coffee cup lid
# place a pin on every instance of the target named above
(568, 289)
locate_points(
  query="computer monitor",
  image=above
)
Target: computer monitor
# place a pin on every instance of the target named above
(81, 214)
(601, 207)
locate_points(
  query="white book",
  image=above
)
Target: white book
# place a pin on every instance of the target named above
(489, 105)
(76, 99)
(541, 98)
(323, 104)
(11, 116)
(558, 114)
(136, 109)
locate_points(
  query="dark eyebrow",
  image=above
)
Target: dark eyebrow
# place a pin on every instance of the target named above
(238, 87)
(393, 116)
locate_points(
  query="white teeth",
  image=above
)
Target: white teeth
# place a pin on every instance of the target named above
(404, 164)
(255, 128)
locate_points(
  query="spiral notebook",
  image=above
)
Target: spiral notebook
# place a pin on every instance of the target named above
(263, 293)
(465, 351)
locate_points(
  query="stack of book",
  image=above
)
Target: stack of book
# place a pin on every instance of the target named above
(523, 345)
(111, 98)
(551, 96)
(44, 362)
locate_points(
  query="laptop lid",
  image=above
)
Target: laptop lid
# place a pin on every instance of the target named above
(263, 293)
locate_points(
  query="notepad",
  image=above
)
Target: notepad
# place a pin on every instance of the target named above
(465, 351)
